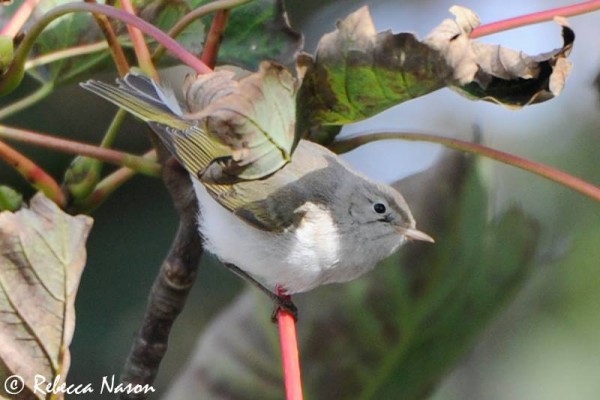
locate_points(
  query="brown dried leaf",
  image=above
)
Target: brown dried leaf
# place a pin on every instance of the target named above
(42, 255)
(497, 74)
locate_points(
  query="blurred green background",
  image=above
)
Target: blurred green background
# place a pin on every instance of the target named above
(545, 345)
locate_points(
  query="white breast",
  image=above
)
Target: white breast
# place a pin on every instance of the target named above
(298, 260)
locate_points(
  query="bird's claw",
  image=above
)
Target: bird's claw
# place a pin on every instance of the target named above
(284, 303)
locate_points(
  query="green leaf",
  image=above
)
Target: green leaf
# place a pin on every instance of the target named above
(256, 31)
(395, 332)
(357, 72)
(42, 256)
(259, 31)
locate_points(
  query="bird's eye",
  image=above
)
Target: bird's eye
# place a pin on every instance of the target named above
(379, 208)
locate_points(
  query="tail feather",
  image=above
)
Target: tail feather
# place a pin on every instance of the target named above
(146, 89)
(138, 103)
(191, 145)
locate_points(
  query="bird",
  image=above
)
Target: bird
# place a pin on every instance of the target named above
(313, 221)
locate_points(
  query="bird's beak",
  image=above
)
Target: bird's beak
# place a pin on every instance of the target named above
(413, 234)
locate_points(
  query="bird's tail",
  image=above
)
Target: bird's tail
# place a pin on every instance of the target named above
(140, 96)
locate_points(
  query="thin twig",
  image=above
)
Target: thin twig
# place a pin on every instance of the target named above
(535, 18)
(139, 44)
(193, 15)
(83, 174)
(19, 18)
(13, 76)
(119, 158)
(542, 170)
(113, 128)
(41, 93)
(75, 51)
(113, 42)
(289, 353)
(170, 289)
(33, 173)
(214, 38)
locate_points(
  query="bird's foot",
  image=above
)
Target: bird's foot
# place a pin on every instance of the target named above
(283, 302)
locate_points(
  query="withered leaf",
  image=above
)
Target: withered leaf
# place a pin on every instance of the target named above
(357, 72)
(497, 74)
(252, 113)
(42, 255)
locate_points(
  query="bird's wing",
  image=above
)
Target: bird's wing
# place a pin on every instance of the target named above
(275, 203)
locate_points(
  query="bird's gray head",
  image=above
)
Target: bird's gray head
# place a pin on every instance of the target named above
(377, 221)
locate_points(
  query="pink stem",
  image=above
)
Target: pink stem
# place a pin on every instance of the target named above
(19, 18)
(168, 42)
(534, 18)
(214, 39)
(545, 171)
(289, 353)
(34, 174)
(139, 44)
(119, 158)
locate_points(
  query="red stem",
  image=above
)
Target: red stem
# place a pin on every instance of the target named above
(71, 147)
(139, 44)
(113, 42)
(289, 353)
(545, 171)
(168, 42)
(215, 36)
(19, 18)
(33, 173)
(534, 18)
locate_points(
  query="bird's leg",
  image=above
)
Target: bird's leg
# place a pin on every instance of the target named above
(285, 303)
(282, 300)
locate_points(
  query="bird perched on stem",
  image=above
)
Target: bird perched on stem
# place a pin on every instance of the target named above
(278, 211)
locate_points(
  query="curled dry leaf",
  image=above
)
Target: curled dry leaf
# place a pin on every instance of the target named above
(357, 72)
(252, 113)
(497, 74)
(42, 255)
